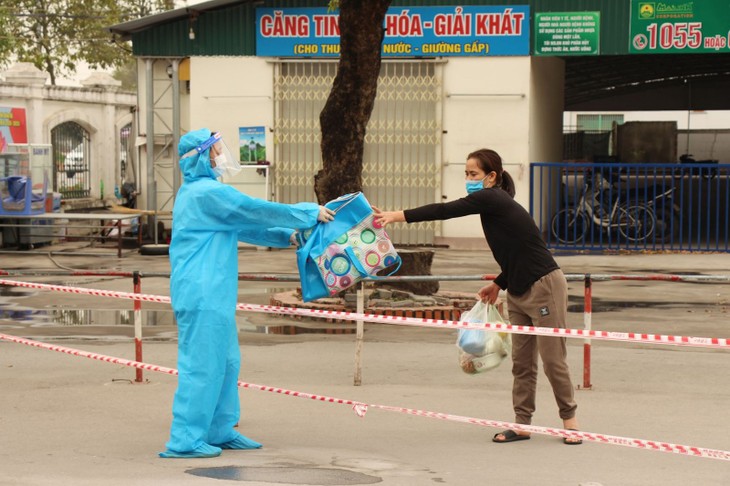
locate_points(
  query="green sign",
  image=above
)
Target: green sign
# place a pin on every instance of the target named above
(567, 33)
(679, 26)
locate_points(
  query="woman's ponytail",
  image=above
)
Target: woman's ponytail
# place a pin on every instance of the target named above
(507, 184)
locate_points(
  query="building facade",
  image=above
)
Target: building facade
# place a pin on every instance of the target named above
(88, 129)
(444, 91)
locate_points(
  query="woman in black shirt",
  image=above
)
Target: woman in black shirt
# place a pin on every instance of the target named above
(536, 287)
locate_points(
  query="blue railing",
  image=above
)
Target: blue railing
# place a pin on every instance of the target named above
(635, 207)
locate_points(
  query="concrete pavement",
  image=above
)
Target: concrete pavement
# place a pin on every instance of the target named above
(69, 420)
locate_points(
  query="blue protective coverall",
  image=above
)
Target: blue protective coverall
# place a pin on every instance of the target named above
(209, 218)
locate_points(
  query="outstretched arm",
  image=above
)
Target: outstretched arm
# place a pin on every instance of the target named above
(385, 217)
(273, 237)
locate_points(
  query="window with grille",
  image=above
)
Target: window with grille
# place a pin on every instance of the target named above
(72, 159)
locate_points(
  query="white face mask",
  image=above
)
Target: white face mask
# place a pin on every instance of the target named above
(223, 166)
(220, 161)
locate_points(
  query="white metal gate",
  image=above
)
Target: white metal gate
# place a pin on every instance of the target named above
(401, 161)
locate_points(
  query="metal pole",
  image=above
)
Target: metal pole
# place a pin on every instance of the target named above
(587, 311)
(689, 112)
(137, 325)
(359, 334)
(154, 216)
(119, 238)
(175, 126)
(151, 195)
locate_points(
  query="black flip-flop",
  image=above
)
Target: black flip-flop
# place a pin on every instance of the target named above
(572, 440)
(509, 436)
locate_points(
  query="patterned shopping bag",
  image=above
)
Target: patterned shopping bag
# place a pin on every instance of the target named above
(335, 256)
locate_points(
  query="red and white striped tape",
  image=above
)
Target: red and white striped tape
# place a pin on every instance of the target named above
(661, 339)
(361, 408)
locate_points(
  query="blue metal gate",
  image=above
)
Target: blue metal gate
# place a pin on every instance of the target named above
(613, 206)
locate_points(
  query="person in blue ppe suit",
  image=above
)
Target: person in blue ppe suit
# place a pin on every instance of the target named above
(209, 218)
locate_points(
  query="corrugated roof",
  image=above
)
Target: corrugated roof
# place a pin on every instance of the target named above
(221, 28)
(126, 29)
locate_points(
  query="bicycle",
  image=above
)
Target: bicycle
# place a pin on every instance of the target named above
(600, 206)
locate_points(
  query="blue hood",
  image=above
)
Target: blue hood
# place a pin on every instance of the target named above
(196, 166)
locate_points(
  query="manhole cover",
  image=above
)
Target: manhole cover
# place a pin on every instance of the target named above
(286, 475)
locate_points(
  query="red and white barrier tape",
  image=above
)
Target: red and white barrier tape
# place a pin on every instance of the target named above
(692, 341)
(361, 408)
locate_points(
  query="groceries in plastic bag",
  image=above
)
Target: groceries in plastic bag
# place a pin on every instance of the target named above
(482, 350)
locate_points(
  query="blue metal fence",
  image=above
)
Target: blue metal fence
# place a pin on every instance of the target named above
(614, 206)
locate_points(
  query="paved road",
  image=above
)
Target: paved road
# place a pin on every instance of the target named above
(69, 420)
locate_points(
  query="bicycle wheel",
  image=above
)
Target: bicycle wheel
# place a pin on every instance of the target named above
(569, 226)
(667, 224)
(636, 223)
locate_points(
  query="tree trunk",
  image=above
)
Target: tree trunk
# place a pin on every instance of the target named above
(350, 104)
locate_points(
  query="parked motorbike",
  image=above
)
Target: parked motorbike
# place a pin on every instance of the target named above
(707, 172)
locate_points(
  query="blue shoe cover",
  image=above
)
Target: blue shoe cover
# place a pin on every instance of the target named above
(204, 450)
(240, 442)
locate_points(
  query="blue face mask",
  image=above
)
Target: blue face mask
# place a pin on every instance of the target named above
(474, 186)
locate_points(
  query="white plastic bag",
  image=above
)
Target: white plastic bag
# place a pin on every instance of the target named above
(479, 350)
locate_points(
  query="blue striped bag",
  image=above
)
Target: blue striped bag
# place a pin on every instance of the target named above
(336, 255)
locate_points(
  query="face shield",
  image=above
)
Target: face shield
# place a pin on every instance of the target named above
(224, 162)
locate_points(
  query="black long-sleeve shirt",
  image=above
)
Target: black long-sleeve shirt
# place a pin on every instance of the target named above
(515, 240)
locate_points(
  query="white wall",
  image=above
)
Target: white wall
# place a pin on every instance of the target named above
(233, 92)
(547, 80)
(512, 105)
(485, 105)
